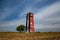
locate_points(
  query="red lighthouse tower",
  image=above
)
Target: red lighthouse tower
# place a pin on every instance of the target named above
(30, 22)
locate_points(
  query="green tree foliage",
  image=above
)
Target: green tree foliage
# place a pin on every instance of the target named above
(20, 28)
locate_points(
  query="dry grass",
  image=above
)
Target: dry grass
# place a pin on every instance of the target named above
(30, 36)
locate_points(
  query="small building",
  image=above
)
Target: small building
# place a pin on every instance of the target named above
(30, 22)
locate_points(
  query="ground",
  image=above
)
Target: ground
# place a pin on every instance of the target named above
(30, 36)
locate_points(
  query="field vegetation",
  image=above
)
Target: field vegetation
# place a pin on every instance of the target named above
(30, 36)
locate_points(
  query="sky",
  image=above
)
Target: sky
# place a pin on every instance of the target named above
(46, 14)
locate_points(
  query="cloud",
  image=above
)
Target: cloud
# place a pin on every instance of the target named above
(8, 8)
(42, 19)
(11, 25)
(41, 26)
(28, 7)
(49, 10)
(44, 15)
(31, 6)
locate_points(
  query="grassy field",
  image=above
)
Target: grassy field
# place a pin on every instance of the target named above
(30, 36)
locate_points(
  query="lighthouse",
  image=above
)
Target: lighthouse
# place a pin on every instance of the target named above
(30, 22)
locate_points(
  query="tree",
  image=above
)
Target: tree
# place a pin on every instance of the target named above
(20, 28)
